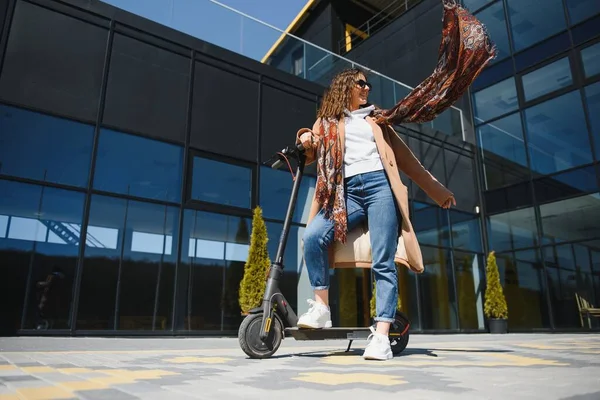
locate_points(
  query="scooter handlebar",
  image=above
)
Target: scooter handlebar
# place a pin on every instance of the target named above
(288, 151)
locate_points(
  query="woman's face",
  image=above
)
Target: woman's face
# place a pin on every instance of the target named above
(360, 91)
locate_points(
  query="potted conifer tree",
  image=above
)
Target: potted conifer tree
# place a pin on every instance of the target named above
(252, 286)
(495, 307)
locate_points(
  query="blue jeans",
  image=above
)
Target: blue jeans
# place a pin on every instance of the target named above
(370, 196)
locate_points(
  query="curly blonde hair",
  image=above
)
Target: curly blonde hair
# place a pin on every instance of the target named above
(339, 94)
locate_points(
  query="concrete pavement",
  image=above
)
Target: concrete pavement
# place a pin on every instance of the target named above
(515, 366)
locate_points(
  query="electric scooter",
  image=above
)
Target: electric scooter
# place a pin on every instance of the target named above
(262, 330)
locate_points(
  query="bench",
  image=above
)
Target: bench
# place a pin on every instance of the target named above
(586, 310)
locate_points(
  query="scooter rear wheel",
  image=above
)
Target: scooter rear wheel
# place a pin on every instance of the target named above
(249, 337)
(400, 326)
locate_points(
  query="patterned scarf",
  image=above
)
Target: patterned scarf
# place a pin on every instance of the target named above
(464, 52)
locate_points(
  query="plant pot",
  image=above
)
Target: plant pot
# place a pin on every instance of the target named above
(498, 325)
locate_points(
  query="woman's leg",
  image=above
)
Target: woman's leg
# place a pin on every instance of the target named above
(382, 214)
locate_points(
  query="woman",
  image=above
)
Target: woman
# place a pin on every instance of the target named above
(356, 150)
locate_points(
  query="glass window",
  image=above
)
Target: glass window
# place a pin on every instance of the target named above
(221, 183)
(580, 10)
(214, 250)
(529, 25)
(475, 5)
(566, 184)
(592, 97)
(522, 275)
(438, 298)
(275, 192)
(466, 231)
(513, 230)
(557, 133)
(44, 148)
(460, 171)
(591, 59)
(130, 257)
(40, 237)
(571, 219)
(504, 137)
(495, 100)
(431, 224)
(547, 79)
(470, 285)
(137, 166)
(495, 21)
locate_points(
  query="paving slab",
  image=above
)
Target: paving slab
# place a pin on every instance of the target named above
(478, 366)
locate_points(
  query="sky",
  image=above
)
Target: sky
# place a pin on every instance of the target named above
(215, 24)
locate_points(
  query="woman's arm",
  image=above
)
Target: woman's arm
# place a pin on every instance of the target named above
(310, 138)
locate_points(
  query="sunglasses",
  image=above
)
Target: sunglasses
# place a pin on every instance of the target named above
(363, 83)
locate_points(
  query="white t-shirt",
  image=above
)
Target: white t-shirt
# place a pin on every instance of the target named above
(360, 153)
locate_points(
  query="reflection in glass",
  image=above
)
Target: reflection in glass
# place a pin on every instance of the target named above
(438, 299)
(431, 224)
(214, 250)
(129, 266)
(155, 172)
(474, 5)
(292, 260)
(570, 272)
(592, 98)
(580, 10)
(522, 278)
(470, 285)
(44, 148)
(591, 59)
(495, 100)
(495, 21)
(466, 232)
(557, 134)
(221, 183)
(512, 230)
(39, 238)
(572, 219)
(275, 192)
(547, 79)
(529, 25)
(567, 184)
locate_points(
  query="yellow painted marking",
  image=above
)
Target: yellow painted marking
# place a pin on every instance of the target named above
(205, 360)
(44, 393)
(569, 347)
(333, 379)
(38, 370)
(7, 367)
(9, 397)
(73, 371)
(83, 385)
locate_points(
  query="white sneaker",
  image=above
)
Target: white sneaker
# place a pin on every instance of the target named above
(379, 347)
(317, 317)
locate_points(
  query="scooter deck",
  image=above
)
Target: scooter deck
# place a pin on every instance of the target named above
(329, 333)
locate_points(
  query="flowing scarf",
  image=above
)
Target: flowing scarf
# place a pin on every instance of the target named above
(464, 52)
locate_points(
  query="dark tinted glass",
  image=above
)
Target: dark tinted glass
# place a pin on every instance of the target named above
(292, 261)
(44, 148)
(39, 235)
(466, 231)
(591, 59)
(432, 225)
(592, 98)
(147, 89)
(470, 286)
(214, 251)
(495, 21)
(522, 277)
(495, 100)
(218, 125)
(474, 5)
(547, 79)
(137, 166)
(130, 255)
(438, 298)
(221, 183)
(432, 158)
(572, 219)
(570, 270)
(513, 230)
(529, 25)
(557, 133)
(567, 184)
(461, 180)
(275, 192)
(542, 51)
(580, 10)
(55, 63)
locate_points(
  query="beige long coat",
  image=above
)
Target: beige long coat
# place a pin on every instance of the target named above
(395, 155)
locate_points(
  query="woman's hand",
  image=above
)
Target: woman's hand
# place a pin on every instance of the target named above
(449, 203)
(306, 139)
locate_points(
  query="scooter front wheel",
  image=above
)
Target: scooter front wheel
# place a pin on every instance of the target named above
(249, 337)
